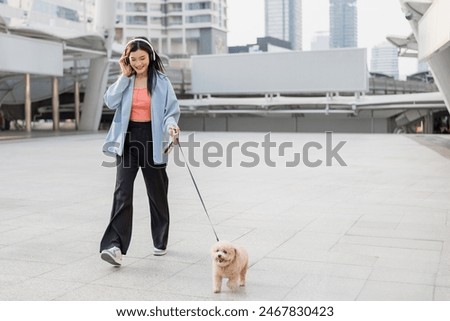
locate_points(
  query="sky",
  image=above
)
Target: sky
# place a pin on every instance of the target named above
(376, 20)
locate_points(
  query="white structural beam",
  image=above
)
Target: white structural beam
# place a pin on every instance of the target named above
(33, 56)
(434, 29)
(293, 105)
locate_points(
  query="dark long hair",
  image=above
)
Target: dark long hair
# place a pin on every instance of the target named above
(155, 64)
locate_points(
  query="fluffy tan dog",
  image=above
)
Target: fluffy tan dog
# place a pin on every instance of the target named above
(231, 262)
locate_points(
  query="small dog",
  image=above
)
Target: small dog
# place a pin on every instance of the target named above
(229, 261)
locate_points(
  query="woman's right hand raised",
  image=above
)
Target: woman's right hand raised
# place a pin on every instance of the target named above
(126, 69)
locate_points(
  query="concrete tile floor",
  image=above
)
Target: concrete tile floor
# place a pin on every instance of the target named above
(376, 229)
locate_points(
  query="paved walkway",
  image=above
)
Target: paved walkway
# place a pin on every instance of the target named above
(376, 229)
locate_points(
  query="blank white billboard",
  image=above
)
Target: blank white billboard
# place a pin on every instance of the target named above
(33, 56)
(337, 70)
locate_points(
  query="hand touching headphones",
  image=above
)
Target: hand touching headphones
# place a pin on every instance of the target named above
(125, 66)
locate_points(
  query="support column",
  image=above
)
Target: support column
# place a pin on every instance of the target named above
(105, 17)
(77, 103)
(93, 97)
(428, 123)
(372, 124)
(27, 103)
(55, 104)
(169, 45)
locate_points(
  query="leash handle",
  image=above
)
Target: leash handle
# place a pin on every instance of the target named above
(198, 191)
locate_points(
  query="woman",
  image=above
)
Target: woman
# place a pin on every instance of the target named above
(146, 115)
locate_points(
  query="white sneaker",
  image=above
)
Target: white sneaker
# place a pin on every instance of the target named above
(159, 252)
(112, 256)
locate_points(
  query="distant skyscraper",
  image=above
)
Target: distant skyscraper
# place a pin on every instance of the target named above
(343, 24)
(385, 60)
(284, 21)
(321, 41)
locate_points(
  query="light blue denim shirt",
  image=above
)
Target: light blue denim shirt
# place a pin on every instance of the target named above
(165, 112)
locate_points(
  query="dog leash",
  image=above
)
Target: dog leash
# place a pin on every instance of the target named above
(196, 187)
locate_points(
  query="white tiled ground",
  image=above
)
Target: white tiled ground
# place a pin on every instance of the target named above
(377, 229)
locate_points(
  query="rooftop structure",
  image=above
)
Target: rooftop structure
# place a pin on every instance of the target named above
(264, 44)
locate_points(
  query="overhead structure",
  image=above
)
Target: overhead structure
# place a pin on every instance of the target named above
(351, 105)
(71, 55)
(431, 28)
(407, 45)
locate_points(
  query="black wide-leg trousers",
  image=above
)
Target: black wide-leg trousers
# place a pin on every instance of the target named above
(138, 153)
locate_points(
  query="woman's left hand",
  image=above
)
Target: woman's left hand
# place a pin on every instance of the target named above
(174, 132)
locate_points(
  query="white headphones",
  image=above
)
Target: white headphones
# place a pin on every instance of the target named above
(145, 41)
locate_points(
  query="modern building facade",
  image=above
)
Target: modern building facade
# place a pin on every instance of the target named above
(385, 60)
(177, 28)
(343, 24)
(283, 20)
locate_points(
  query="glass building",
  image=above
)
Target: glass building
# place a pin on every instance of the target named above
(283, 20)
(343, 24)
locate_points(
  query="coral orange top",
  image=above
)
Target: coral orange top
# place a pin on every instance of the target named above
(141, 105)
